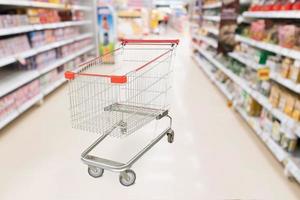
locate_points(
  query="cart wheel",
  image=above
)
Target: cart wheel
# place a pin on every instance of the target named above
(95, 172)
(129, 180)
(170, 137)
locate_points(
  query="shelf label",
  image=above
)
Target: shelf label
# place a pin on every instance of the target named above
(263, 73)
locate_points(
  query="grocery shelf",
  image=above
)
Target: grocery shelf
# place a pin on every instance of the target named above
(40, 96)
(286, 82)
(275, 148)
(256, 95)
(292, 14)
(270, 47)
(207, 40)
(203, 65)
(214, 31)
(275, 76)
(13, 79)
(293, 166)
(37, 4)
(293, 162)
(20, 110)
(37, 27)
(241, 58)
(213, 5)
(215, 18)
(35, 51)
(53, 86)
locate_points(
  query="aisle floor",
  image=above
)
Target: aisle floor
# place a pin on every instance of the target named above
(215, 154)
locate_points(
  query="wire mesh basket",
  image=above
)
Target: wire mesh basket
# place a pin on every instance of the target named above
(121, 97)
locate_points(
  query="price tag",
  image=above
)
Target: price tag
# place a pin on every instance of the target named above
(263, 73)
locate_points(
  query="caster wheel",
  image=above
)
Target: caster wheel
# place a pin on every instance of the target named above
(170, 137)
(95, 172)
(129, 179)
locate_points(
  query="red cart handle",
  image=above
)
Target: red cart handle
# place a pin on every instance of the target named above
(132, 41)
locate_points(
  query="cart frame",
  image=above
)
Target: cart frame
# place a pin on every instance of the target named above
(97, 165)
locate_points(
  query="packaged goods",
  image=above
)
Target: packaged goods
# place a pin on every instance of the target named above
(253, 107)
(285, 67)
(274, 96)
(296, 111)
(295, 71)
(287, 35)
(290, 104)
(276, 131)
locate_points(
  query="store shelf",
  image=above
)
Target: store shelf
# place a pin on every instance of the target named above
(24, 78)
(273, 14)
(256, 95)
(214, 31)
(53, 86)
(293, 166)
(20, 110)
(35, 51)
(215, 18)
(243, 59)
(276, 77)
(37, 4)
(11, 80)
(213, 5)
(207, 40)
(275, 148)
(270, 47)
(204, 65)
(286, 82)
(37, 27)
(293, 162)
(280, 154)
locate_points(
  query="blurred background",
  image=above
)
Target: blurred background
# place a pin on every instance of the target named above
(236, 103)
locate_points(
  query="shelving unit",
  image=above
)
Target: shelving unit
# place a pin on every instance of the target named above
(215, 18)
(273, 14)
(213, 5)
(208, 40)
(212, 30)
(35, 51)
(207, 59)
(270, 47)
(38, 27)
(291, 161)
(276, 77)
(37, 4)
(11, 80)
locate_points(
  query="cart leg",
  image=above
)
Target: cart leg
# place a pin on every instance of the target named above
(152, 143)
(90, 148)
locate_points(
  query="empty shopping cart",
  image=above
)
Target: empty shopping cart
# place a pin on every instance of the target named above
(118, 99)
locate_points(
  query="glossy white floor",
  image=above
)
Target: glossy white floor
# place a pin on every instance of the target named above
(215, 154)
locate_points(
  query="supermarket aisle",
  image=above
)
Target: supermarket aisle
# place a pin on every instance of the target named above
(215, 155)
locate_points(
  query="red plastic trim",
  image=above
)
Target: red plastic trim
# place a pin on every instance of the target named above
(69, 75)
(130, 41)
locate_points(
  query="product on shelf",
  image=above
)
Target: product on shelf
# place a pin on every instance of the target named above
(16, 99)
(8, 45)
(40, 38)
(274, 6)
(8, 21)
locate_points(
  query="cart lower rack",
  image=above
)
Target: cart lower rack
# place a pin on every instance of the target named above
(119, 99)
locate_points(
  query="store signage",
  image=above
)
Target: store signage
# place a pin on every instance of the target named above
(106, 33)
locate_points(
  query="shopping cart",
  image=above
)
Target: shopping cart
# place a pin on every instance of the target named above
(121, 98)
